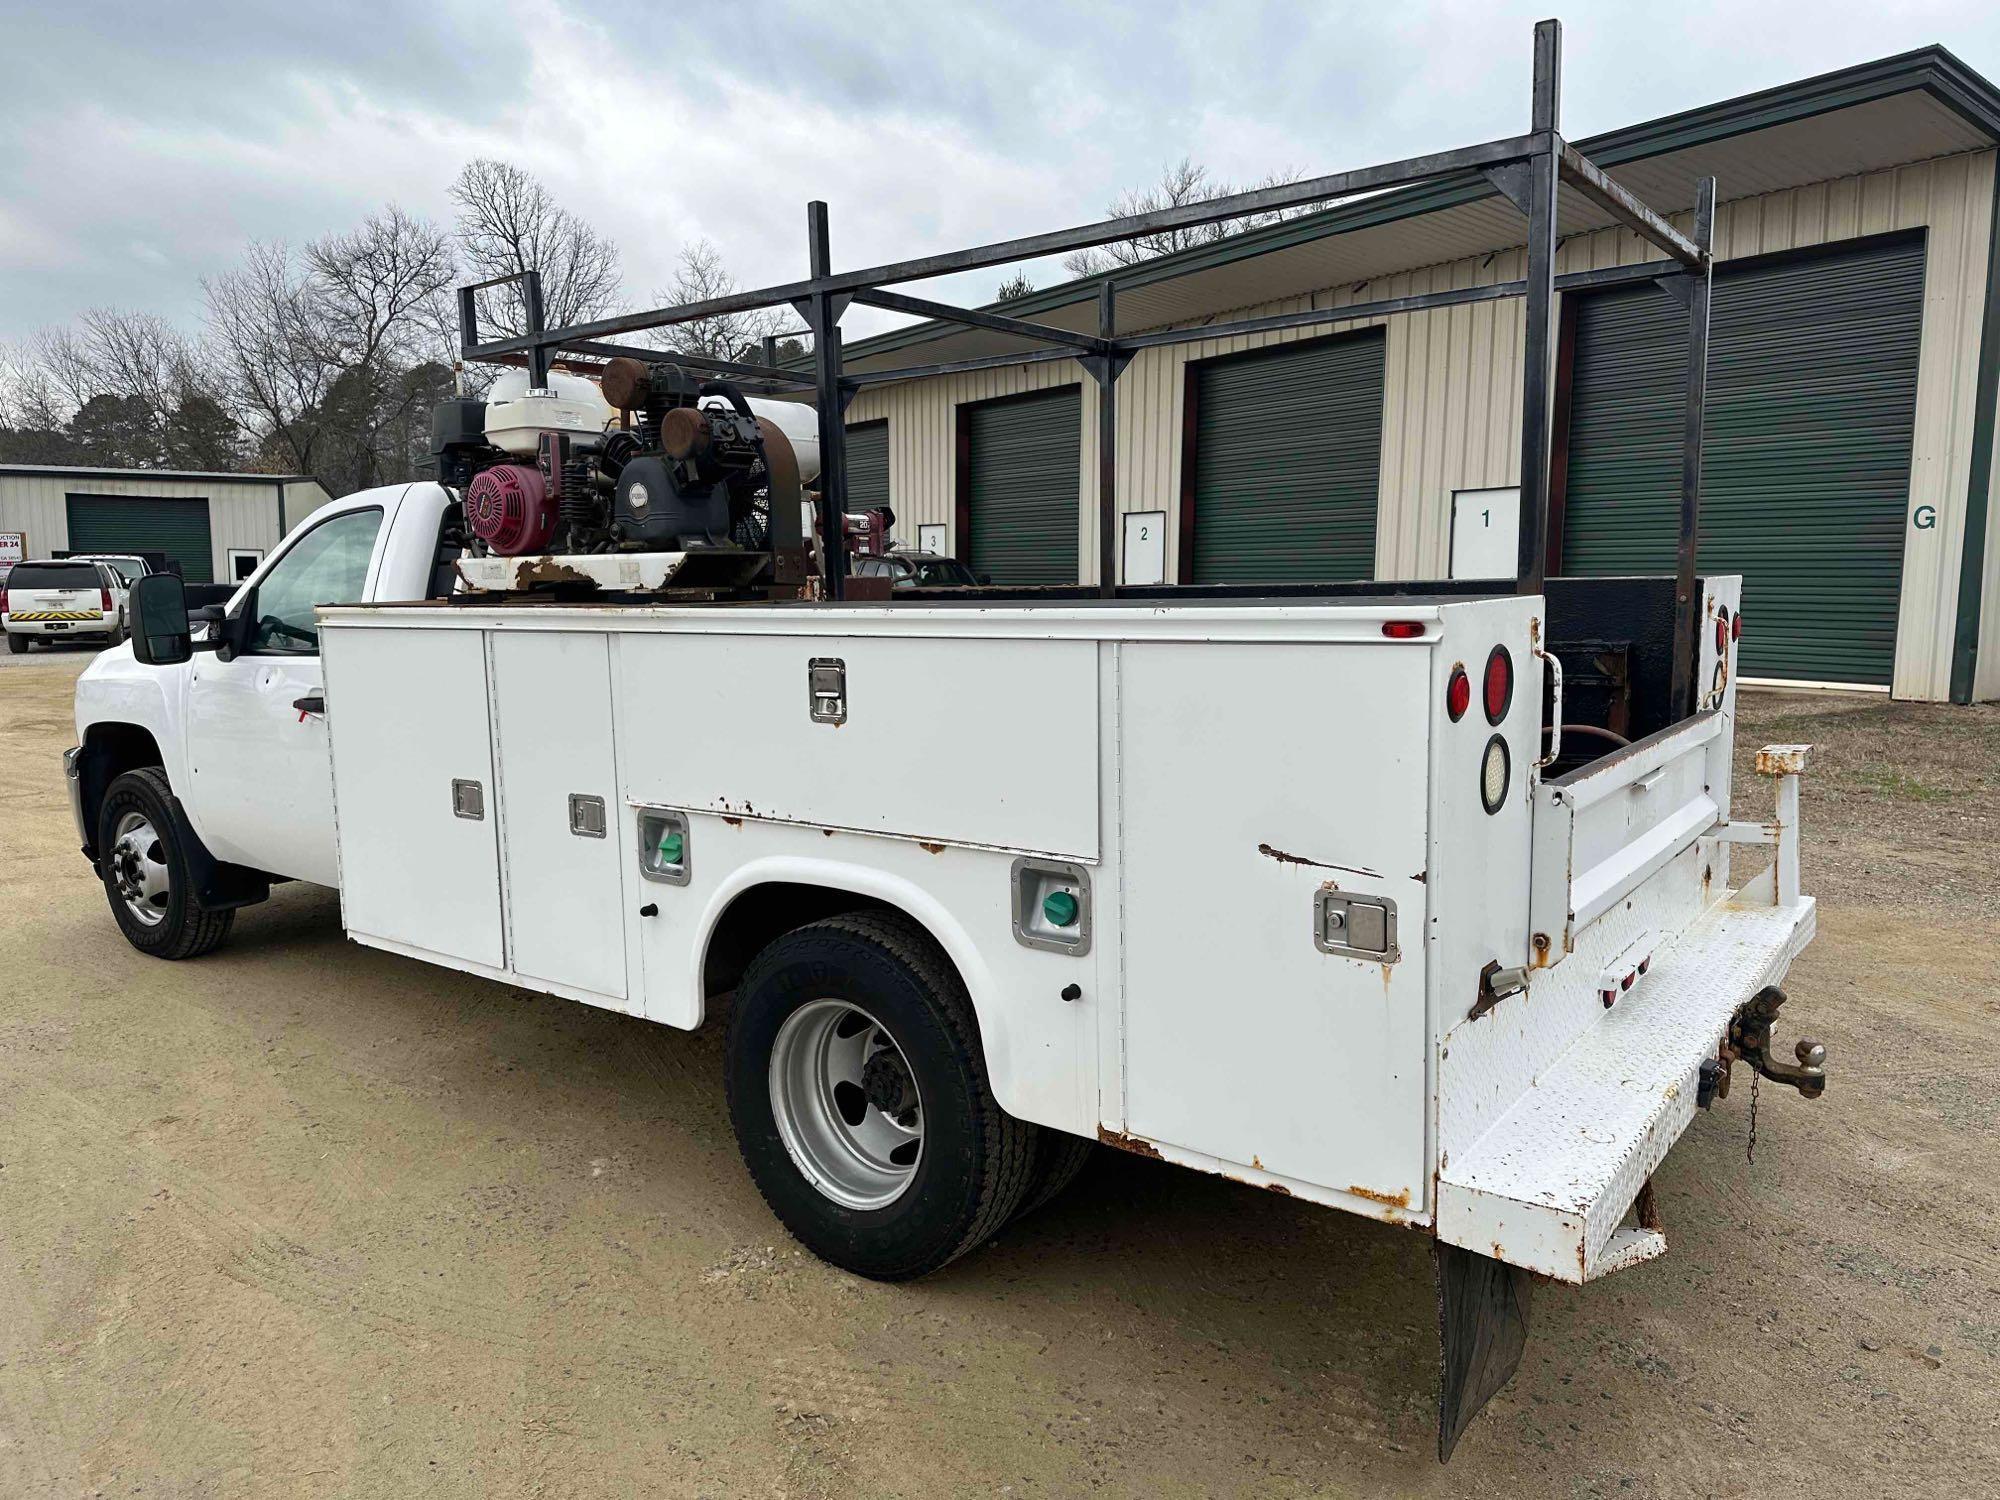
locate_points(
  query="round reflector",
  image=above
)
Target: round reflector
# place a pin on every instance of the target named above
(1736, 627)
(1457, 694)
(1494, 769)
(1499, 686)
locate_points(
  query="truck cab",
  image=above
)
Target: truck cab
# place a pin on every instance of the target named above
(247, 764)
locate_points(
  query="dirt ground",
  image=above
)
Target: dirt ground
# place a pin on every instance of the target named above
(306, 1219)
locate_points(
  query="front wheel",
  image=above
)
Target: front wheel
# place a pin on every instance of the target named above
(859, 1096)
(144, 866)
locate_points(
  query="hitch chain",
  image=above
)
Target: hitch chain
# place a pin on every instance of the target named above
(1749, 1040)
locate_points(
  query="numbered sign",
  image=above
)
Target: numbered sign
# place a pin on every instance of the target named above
(1145, 553)
(930, 537)
(1485, 533)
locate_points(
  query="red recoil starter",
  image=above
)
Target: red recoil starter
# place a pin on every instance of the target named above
(509, 508)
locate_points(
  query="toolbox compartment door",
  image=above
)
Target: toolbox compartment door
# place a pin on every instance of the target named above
(412, 764)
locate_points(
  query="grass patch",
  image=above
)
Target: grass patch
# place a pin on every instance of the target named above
(1903, 788)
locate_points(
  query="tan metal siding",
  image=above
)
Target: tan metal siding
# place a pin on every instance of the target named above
(241, 513)
(1453, 382)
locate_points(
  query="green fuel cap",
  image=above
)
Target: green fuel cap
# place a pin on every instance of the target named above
(670, 849)
(1060, 908)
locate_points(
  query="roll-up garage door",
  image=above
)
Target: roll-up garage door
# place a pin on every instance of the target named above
(1812, 393)
(1024, 456)
(867, 465)
(132, 523)
(1287, 462)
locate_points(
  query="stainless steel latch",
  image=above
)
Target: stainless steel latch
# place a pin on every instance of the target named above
(1355, 926)
(826, 685)
(586, 816)
(468, 799)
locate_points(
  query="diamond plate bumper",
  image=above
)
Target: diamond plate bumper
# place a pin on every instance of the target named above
(1548, 1186)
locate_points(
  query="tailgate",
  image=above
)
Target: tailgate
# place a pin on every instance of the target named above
(1603, 830)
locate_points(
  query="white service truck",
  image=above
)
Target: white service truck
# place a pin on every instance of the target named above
(1270, 889)
(1335, 889)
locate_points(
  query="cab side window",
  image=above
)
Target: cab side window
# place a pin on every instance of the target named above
(328, 565)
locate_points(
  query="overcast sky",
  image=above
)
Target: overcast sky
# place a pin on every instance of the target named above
(147, 143)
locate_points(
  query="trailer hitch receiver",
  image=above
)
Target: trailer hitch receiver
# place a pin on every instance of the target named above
(1749, 1040)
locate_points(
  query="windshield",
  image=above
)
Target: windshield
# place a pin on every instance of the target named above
(932, 572)
(54, 576)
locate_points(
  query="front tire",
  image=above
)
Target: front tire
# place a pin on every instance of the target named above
(859, 1096)
(143, 863)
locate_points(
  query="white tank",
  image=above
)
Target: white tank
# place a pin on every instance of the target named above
(795, 420)
(516, 418)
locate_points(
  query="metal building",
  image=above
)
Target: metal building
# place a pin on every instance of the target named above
(216, 526)
(1849, 458)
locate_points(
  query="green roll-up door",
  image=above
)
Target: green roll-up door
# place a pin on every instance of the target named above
(132, 523)
(1025, 457)
(1812, 395)
(1287, 462)
(867, 465)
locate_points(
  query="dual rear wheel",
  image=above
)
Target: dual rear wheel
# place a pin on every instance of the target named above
(860, 1100)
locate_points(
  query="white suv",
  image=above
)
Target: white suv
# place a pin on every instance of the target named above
(53, 600)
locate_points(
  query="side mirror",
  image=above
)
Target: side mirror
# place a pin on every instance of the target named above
(161, 634)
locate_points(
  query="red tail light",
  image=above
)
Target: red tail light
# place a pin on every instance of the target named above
(3, 601)
(1736, 627)
(1457, 694)
(1721, 630)
(1499, 684)
(104, 600)
(1402, 630)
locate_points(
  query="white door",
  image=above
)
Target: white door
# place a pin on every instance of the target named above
(559, 821)
(262, 792)
(1485, 533)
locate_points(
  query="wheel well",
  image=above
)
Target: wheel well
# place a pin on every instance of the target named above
(109, 751)
(765, 912)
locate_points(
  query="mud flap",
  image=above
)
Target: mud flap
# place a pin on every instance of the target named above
(1482, 1327)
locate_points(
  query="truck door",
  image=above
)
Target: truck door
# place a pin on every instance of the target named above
(262, 792)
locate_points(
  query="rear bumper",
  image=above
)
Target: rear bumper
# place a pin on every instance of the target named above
(54, 623)
(1547, 1188)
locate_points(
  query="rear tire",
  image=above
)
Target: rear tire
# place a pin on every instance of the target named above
(18, 644)
(144, 866)
(115, 636)
(1059, 1159)
(869, 998)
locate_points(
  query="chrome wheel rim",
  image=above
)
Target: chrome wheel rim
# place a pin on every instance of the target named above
(846, 1104)
(139, 869)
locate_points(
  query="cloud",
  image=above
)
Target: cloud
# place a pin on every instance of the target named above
(149, 144)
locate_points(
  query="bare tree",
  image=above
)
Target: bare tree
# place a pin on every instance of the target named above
(1180, 184)
(337, 352)
(700, 276)
(507, 222)
(119, 388)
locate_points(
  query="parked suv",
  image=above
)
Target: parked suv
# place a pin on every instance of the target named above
(54, 600)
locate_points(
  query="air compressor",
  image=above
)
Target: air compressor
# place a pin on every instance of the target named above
(646, 460)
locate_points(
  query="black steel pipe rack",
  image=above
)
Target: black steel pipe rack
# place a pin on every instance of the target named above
(1525, 169)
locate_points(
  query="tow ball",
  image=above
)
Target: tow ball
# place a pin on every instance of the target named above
(1749, 1040)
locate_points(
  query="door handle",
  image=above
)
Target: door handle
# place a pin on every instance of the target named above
(312, 703)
